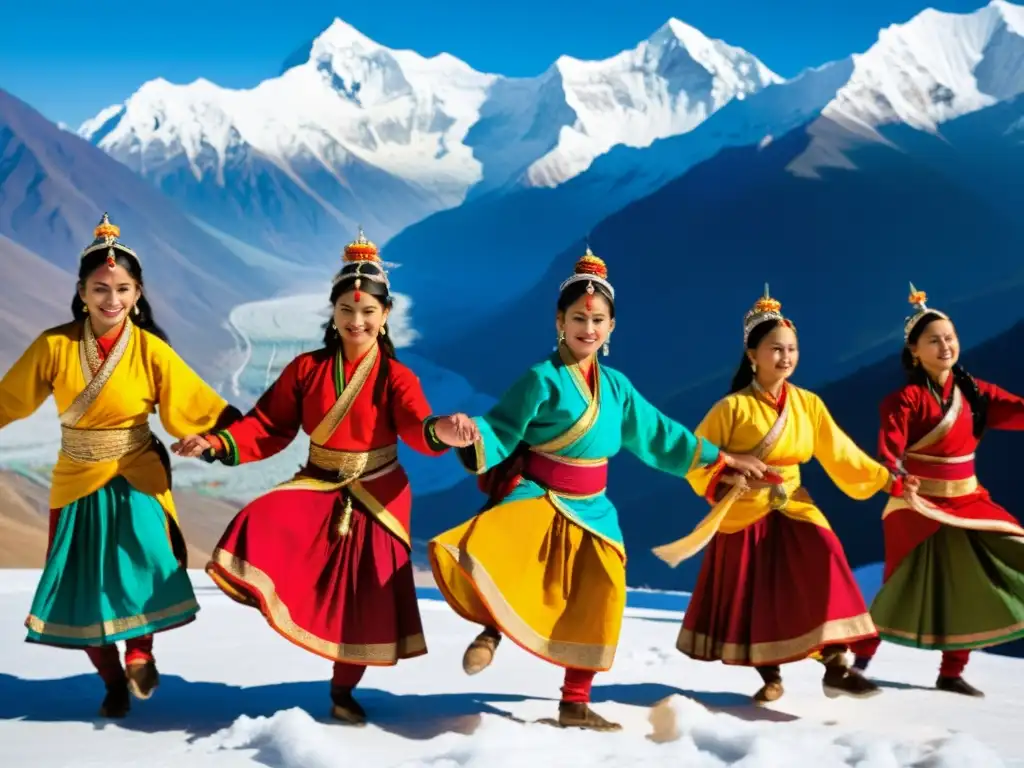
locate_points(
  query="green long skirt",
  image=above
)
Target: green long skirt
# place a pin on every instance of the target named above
(111, 573)
(958, 589)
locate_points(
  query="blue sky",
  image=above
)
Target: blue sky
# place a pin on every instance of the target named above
(70, 58)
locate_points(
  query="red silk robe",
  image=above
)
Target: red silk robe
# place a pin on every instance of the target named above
(937, 445)
(328, 565)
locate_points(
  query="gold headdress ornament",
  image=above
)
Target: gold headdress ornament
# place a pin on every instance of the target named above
(764, 309)
(360, 252)
(106, 234)
(592, 269)
(917, 300)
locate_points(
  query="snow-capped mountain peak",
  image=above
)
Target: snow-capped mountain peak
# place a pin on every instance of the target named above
(352, 129)
(665, 86)
(936, 67)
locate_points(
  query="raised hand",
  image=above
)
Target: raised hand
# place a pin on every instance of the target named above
(191, 447)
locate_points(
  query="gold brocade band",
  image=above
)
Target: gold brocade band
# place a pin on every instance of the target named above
(351, 464)
(92, 446)
(700, 646)
(948, 489)
(243, 578)
(180, 614)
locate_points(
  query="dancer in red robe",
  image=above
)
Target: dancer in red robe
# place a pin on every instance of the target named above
(954, 562)
(325, 555)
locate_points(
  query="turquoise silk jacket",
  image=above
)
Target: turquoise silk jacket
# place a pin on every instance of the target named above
(553, 411)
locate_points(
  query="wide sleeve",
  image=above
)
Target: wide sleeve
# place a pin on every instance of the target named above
(187, 405)
(715, 429)
(893, 433)
(853, 471)
(661, 442)
(503, 427)
(411, 411)
(270, 426)
(1005, 410)
(28, 383)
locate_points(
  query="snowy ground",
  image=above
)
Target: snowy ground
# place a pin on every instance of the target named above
(270, 334)
(234, 693)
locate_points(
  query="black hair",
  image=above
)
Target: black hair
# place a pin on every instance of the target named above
(968, 386)
(573, 291)
(375, 288)
(744, 375)
(142, 315)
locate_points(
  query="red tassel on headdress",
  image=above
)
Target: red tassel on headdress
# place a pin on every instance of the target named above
(356, 295)
(111, 262)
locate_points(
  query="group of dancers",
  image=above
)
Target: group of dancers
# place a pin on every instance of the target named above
(325, 556)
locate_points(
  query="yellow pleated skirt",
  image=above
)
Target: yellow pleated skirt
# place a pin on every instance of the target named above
(549, 585)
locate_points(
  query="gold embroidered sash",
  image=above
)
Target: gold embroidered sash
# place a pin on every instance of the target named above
(93, 446)
(333, 418)
(588, 418)
(95, 373)
(675, 552)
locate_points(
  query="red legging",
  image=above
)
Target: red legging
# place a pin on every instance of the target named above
(107, 660)
(953, 662)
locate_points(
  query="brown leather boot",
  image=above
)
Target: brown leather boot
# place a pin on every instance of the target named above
(480, 653)
(117, 703)
(957, 685)
(843, 681)
(572, 714)
(143, 678)
(345, 708)
(769, 692)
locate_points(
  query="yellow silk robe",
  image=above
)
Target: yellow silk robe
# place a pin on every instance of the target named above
(149, 374)
(743, 422)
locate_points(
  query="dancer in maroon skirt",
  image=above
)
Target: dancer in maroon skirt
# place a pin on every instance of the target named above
(775, 585)
(325, 556)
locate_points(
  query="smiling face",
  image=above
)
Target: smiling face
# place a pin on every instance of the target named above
(109, 295)
(359, 322)
(586, 329)
(937, 348)
(776, 355)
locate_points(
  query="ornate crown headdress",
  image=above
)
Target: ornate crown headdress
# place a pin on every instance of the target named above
(917, 300)
(764, 309)
(592, 269)
(106, 234)
(361, 252)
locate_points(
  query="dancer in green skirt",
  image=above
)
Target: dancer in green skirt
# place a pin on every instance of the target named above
(115, 565)
(954, 559)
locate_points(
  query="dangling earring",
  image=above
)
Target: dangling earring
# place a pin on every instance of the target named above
(917, 361)
(135, 310)
(383, 331)
(753, 367)
(561, 340)
(334, 326)
(85, 309)
(605, 350)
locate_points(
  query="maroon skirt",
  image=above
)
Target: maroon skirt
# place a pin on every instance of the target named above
(777, 591)
(347, 597)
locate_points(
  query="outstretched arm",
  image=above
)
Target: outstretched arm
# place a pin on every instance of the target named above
(1005, 409)
(659, 441)
(412, 414)
(28, 383)
(504, 426)
(186, 404)
(853, 471)
(267, 429)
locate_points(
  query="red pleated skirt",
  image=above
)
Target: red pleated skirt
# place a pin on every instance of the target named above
(349, 598)
(775, 592)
